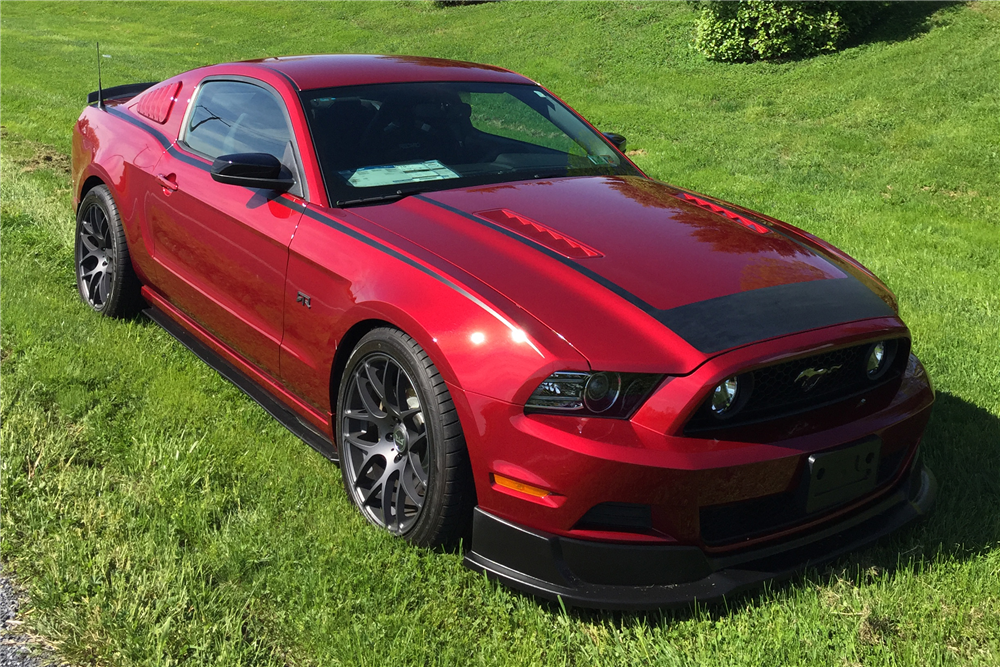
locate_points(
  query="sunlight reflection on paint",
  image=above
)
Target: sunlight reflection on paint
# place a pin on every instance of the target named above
(478, 338)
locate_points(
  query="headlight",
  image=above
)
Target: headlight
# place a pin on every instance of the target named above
(601, 391)
(604, 394)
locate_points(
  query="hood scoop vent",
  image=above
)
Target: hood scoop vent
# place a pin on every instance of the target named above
(535, 231)
(725, 213)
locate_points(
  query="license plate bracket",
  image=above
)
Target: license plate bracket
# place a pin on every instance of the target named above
(843, 474)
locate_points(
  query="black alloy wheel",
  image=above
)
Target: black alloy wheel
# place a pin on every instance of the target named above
(104, 274)
(402, 453)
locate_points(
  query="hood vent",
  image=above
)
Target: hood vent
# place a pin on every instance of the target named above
(725, 212)
(565, 245)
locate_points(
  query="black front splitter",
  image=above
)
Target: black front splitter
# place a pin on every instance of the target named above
(635, 578)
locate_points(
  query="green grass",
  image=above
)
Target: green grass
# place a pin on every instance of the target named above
(158, 517)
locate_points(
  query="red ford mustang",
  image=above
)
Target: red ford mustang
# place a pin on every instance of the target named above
(440, 275)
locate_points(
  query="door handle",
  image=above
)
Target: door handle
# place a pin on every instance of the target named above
(167, 182)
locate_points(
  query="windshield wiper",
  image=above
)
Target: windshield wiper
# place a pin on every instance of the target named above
(377, 199)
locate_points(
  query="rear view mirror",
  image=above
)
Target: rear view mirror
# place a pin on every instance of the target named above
(252, 170)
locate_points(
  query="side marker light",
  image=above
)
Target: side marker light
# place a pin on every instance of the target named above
(509, 483)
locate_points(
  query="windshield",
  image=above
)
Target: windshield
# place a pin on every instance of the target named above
(380, 141)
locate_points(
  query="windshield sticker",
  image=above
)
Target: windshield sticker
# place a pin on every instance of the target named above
(604, 159)
(394, 174)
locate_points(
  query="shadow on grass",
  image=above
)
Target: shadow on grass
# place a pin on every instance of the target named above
(962, 447)
(899, 22)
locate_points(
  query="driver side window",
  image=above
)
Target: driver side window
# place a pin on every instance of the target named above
(238, 117)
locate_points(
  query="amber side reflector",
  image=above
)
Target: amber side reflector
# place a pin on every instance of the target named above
(509, 483)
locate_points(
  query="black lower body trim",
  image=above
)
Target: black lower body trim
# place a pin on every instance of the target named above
(637, 577)
(300, 428)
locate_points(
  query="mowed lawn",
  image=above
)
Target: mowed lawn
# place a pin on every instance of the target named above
(156, 516)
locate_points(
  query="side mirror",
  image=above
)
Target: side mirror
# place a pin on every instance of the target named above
(252, 170)
(617, 139)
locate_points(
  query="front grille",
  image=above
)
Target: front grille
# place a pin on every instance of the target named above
(802, 384)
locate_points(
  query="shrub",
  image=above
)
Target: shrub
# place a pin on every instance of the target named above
(760, 30)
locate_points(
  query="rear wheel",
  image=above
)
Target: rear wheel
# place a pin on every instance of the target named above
(104, 275)
(402, 452)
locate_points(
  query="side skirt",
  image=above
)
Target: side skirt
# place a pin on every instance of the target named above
(303, 430)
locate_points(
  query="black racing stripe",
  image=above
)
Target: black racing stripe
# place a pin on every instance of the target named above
(162, 138)
(596, 277)
(189, 159)
(159, 136)
(333, 223)
(729, 321)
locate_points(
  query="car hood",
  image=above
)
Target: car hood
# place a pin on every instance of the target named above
(636, 274)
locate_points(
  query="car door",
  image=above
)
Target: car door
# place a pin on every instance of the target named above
(222, 249)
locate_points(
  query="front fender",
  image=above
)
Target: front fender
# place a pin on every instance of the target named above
(479, 341)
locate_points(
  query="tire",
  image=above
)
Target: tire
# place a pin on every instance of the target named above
(412, 456)
(104, 275)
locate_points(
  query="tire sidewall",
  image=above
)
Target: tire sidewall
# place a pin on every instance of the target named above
(101, 198)
(384, 342)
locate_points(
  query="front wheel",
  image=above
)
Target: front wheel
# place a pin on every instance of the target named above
(402, 452)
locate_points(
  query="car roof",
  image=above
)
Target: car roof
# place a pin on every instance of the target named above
(327, 71)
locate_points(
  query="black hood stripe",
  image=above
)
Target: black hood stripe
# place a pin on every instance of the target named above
(737, 319)
(729, 321)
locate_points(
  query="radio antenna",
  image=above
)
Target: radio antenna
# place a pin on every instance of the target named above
(100, 92)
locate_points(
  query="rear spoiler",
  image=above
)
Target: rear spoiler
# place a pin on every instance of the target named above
(119, 92)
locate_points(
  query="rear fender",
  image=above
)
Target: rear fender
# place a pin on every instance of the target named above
(122, 156)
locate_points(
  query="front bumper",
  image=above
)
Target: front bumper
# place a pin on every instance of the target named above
(638, 577)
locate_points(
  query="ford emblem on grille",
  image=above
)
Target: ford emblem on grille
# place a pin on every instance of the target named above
(811, 376)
